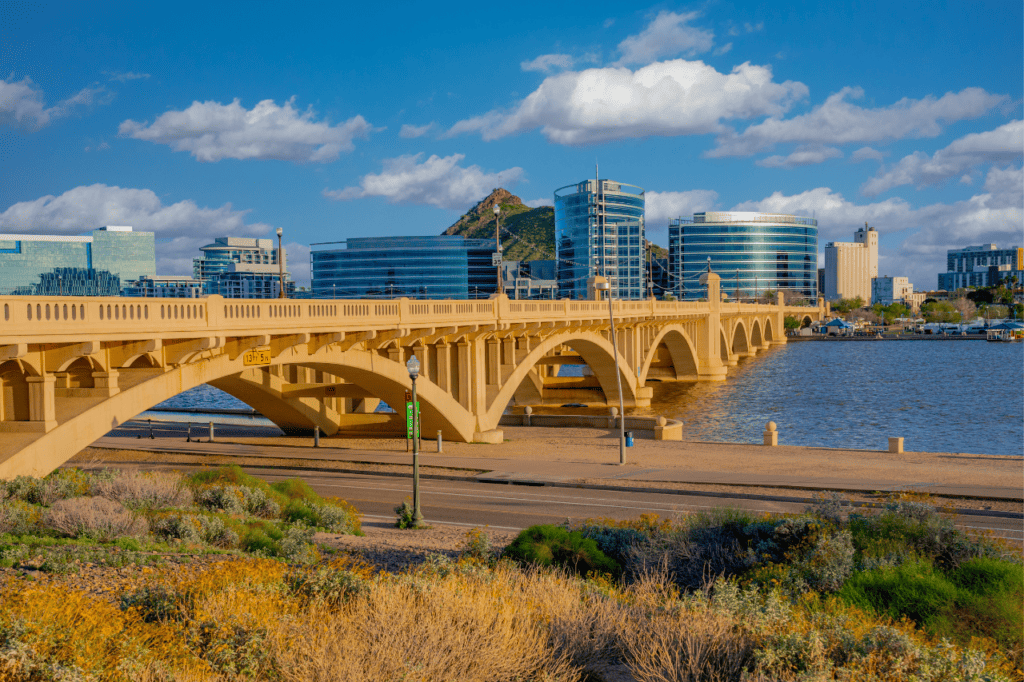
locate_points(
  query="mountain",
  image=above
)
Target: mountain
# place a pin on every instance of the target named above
(526, 233)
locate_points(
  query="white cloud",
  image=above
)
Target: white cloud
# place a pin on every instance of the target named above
(21, 103)
(297, 260)
(437, 182)
(865, 153)
(547, 63)
(660, 207)
(181, 228)
(1002, 145)
(211, 131)
(837, 121)
(805, 155)
(410, 131)
(537, 203)
(127, 76)
(662, 99)
(992, 217)
(666, 36)
(719, 51)
(608, 23)
(966, 180)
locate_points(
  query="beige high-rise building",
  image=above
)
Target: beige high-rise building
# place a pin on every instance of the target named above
(850, 266)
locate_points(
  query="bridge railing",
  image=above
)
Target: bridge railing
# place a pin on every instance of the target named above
(68, 316)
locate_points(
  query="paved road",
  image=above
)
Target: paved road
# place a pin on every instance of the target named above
(519, 506)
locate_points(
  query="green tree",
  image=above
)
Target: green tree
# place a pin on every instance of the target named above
(845, 305)
(791, 323)
(939, 311)
(888, 313)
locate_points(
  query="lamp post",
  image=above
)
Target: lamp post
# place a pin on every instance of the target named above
(604, 286)
(413, 367)
(497, 238)
(60, 284)
(280, 263)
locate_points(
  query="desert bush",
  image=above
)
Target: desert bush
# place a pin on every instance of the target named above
(618, 542)
(830, 506)
(18, 517)
(477, 545)
(404, 515)
(333, 585)
(155, 603)
(194, 528)
(138, 489)
(556, 546)
(226, 498)
(329, 517)
(96, 518)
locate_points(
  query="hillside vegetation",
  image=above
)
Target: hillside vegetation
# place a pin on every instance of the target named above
(526, 233)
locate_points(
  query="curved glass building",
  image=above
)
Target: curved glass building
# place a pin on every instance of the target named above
(599, 230)
(751, 252)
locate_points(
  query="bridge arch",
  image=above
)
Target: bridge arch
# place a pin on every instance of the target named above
(680, 350)
(740, 339)
(769, 330)
(595, 350)
(756, 337)
(14, 397)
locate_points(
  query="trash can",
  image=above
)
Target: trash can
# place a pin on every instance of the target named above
(629, 439)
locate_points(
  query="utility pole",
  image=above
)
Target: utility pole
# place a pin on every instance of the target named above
(497, 239)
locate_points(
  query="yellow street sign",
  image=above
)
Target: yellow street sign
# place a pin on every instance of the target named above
(257, 356)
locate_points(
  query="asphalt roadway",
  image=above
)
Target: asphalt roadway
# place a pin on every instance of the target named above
(515, 505)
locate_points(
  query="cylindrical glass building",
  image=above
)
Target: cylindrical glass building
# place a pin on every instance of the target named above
(599, 230)
(751, 252)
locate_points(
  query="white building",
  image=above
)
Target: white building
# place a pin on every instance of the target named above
(889, 290)
(163, 286)
(981, 266)
(850, 266)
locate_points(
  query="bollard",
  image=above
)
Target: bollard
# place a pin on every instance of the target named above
(771, 434)
(211, 432)
(151, 436)
(896, 445)
(439, 442)
(188, 434)
(527, 415)
(613, 421)
(316, 436)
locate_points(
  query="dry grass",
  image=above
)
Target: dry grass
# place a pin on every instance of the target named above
(136, 489)
(93, 517)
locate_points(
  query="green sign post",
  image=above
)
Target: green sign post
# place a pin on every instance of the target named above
(412, 430)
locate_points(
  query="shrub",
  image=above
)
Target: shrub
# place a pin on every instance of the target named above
(555, 546)
(155, 603)
(404, 515)
(914, 590)
(227, 498)
(137, 489)
(18, 517)
(331, 518)
(93, 517)
(332, 585)
(194, 528)
(617, 542)
(296, 489)
(830, 506)
(477, 545)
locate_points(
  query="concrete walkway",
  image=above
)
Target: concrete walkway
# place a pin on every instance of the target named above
(977, 476)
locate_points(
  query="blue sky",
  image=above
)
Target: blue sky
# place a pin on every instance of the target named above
(331, 121)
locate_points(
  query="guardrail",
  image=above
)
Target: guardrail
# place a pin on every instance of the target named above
(37, 316)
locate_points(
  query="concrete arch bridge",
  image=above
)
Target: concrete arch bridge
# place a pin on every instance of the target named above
(73, 368)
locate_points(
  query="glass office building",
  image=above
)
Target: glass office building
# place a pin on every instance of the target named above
(751, 252)
(599, 230)
(116, 250)
(218, 256)
(448, 266)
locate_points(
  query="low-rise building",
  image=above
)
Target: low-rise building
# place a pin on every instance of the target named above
(164, 286)
(888, 290)
(243, 280)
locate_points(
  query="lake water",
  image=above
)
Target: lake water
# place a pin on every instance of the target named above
(940, 396)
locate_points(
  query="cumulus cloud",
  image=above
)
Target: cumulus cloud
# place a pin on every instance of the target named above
(661, 207)
(547, 63)
(437, 182)
(662, 99)
(537, 203)
(21, 103)
(1002, 145)
(212, 131)
(181, 228)
(837, 121)
(297, 260)
(805, 155)
(719, 51)
(994, 216)
(125, 77)
(667, 35)
(409, 131)
(865, 153)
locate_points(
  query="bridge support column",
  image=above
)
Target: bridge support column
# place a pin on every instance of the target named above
(444, 366)
(780, 316)
(709, 358)
(106, 383)
(42, 412)
(463, 379)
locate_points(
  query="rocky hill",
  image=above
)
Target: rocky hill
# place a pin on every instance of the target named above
(526, 233)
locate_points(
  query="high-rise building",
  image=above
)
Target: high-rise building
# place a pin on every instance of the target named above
(599, 230)
(448, 266)
(751, 252)
(117, 251)
(241, 267)
(850, 266)
(981, 266)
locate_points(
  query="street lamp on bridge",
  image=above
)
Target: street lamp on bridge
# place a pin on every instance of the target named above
(604, 286)
(280, 263)
(413, 367)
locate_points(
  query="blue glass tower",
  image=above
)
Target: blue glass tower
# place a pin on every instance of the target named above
(751, 252)
(599, 230)
(449, 266)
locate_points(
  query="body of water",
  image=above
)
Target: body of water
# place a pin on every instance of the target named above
(940, 396)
